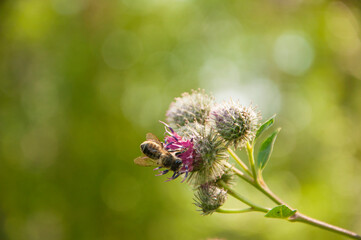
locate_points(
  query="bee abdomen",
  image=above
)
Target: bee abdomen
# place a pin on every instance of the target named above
(151, 149)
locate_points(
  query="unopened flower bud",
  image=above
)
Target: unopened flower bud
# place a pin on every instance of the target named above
(189, 108)
(235, 123)
(209, 198)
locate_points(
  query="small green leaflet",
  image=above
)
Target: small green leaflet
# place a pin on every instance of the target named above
(265, 126)
(265, 150)
(281, 211)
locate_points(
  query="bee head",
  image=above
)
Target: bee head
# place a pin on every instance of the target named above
(176, 165)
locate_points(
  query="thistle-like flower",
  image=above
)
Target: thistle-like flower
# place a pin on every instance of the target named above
(210, 154)
(189, 108)
(201, 150)
(235, 123)
(198, 147)
(183, 147)
(209, 198)
(174, 154)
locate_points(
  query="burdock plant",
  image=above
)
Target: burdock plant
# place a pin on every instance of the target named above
(202, 138)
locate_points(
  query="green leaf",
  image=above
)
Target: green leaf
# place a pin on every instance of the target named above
(265, 126)
(281, 211)
(265, 150)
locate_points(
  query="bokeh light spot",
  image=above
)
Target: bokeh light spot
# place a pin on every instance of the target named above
(293, 54)
(68, 7)
(226, 79)
(44, 225)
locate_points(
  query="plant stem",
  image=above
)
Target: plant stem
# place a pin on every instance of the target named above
(261, 187)
(266, 191)
(251, 161)
(241, 198)
(299, 217)
(239, 161)
(260, 184)
(221, 210)
(240, 174)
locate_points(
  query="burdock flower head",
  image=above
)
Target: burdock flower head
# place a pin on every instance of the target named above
(235, 123)
(183, 147)
(209, 198)
(210, 154)
(189, 108)
(201, 150)
(199, 146)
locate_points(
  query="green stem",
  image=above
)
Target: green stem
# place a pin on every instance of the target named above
(299, 217)
(239, 161)
(239, 173)
(241, 198)
(251, 161)
(259, 183)
(221, 210)
(262, 187)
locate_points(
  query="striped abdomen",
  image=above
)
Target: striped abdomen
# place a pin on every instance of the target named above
(151, 149)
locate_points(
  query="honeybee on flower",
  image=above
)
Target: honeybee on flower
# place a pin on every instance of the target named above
(198, 142)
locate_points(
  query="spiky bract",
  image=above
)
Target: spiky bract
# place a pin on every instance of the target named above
(189, 108)
(209, 198)
(210, 156)
(235, 123)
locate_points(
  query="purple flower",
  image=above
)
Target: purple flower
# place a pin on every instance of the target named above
(184, 149)
(200, 150)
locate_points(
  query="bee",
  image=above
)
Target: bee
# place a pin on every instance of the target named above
(156, 155)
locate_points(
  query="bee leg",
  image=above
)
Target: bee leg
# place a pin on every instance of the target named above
(157, 168)
(174, 176)
(162, 172)
(184, 178)
(186, 175)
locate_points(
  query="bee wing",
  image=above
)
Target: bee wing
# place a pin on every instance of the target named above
(145, 161)
(152, 137)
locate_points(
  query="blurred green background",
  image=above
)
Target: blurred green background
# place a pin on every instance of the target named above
(82, 82)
